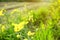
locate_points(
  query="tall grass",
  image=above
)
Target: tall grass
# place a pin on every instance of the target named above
(40, 24)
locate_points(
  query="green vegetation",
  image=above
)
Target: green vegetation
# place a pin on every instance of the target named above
(40, 24)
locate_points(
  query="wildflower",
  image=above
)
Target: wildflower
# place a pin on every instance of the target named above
(19, 26)
(15, 10)
(30, 33)
(18, 36)
(25, 39)
(1, 12)
(3, 28)
(16, 29)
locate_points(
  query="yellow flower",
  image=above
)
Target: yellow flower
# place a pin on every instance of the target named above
(16, 29)
(18, 36)
(3, 28)
(20, 26)
(15, 10)
(25, 39)
(30, 33)
(1, 12)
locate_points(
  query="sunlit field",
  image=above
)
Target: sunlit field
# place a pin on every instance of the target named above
(40, 24)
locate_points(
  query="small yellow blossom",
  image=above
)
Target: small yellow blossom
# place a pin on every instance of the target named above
(1, 12)
(18, 36)
(25, 39)
(16, 29)
(20, 26)
(30, 33)
(15, 10)
(3, 28)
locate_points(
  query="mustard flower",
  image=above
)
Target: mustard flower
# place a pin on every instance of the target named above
(18, 36)
(15, 10)
(1, 12)
(3, 28)
(30, 33)
(20, 26)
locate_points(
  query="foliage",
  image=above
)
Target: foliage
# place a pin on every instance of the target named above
(40, 24)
